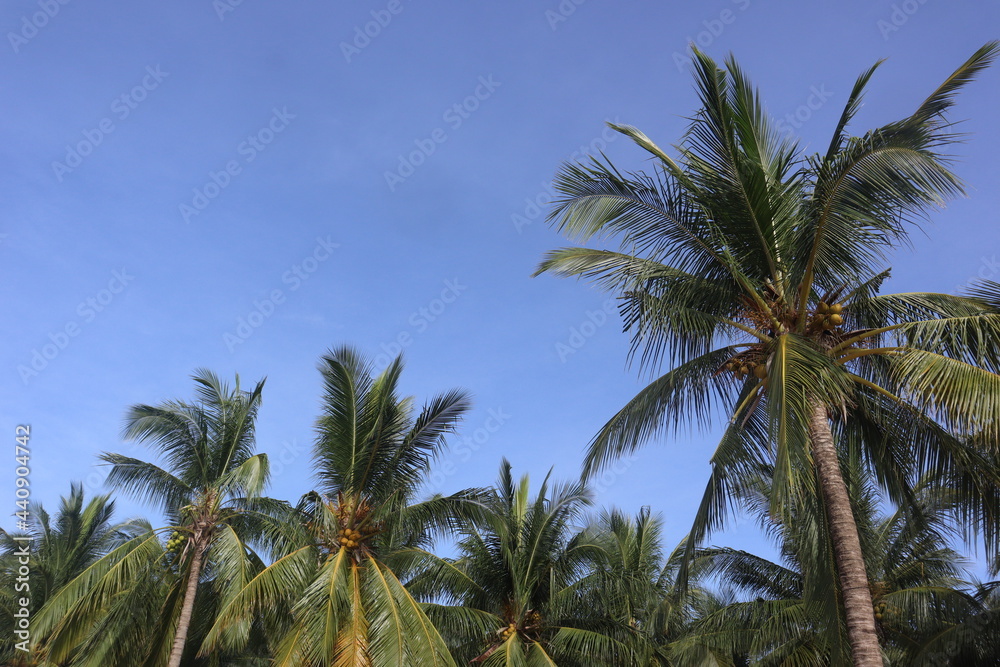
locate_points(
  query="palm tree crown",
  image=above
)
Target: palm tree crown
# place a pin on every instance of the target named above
(61, 547)
(335, 596)
(519, 593)
(755, 271)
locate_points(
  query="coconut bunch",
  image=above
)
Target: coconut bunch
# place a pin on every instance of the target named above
(351, 537)
(176, 542)
(828, 316)
(506, 632)
(880, 610)
(344, 523)
(743, 365)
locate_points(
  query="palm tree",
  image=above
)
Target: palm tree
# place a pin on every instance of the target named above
(789, 613)
(64, 545)
(209, 490)
(335, 597)
(977, 638)
(755, 271)
(61, 548)
(518, 593)
(631, 581)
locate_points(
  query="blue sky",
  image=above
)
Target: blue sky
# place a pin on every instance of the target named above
(242, 186)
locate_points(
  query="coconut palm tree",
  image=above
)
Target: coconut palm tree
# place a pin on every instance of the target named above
(335, 596)
(631, 580)
(123, 610)
(788, 611)
(518, 593)
(209, 488)
(61, 547)
(754, 271)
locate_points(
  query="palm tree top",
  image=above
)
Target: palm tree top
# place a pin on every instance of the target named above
(207, 447)
(744, 251)
(371, 442)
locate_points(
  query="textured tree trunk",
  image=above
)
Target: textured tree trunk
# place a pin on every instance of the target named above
(184, 623)
(857, 596)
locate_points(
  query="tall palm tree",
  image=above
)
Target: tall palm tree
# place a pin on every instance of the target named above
(755, 271)
(517, 594)
(61, 547)
(788, 611)
(335, 596)
(209, 488)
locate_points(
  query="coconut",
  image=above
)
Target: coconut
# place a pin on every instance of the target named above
(760, 370)
(836, 320)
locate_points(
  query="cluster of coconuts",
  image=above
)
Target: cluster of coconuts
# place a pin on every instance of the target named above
(828, 316)
(508, 631)
(350, 538)
(176, 542)
(880, 610)
(743, 368)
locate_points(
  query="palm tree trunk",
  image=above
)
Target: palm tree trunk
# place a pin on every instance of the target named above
(860, 615)
(184, 623)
